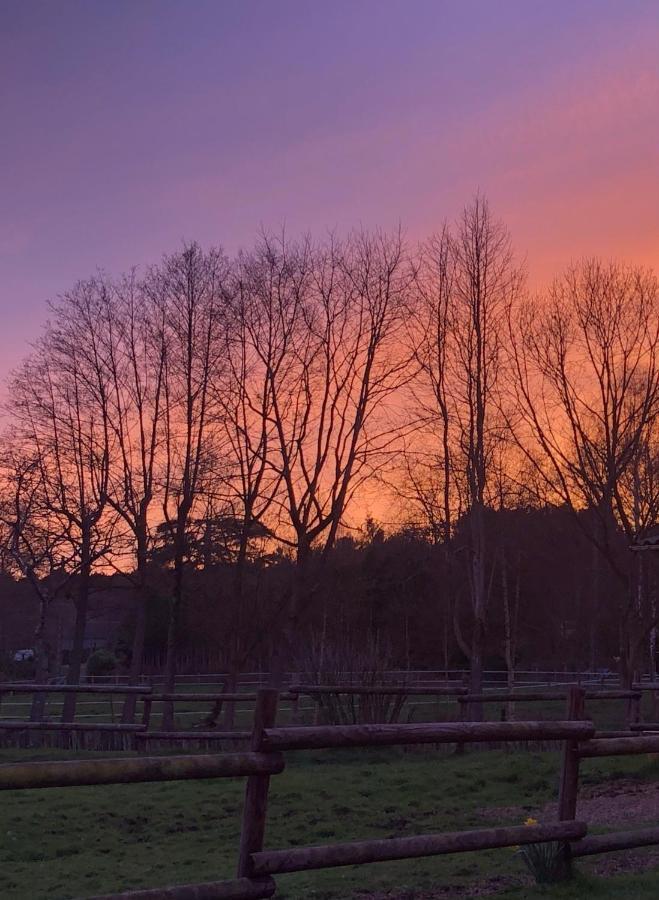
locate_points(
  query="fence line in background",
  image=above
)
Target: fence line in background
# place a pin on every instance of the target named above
(132, 731)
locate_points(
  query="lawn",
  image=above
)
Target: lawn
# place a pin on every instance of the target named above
(83, 841)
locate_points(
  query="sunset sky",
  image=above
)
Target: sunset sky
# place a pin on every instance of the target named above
(130, 125)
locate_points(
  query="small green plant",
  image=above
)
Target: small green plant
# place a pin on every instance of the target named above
(547, 862)
(101, 662)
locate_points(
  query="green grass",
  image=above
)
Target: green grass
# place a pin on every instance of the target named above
(78, 842)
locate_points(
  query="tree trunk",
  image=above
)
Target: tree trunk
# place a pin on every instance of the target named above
(139, 635)
(653, 642)
(509, 637)
(478, 599)
(283, 650)
(137, 655)
(173, 632)
(78, 648)
(594, 607)
(43, 662)
(476, 669)
(235, 655)
(170, 660)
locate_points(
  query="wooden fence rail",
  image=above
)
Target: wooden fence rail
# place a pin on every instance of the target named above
(196, 735)
(111, 727)
(30, 688)
(213, 697)
(616, 840)
(620, 746)
(73, 773)
(382, 689)
(326, 736)
(537, 696)
(297, 859)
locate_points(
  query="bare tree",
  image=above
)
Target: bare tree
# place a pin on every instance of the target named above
(466, 282)
(37, 548)
(131, 350)
(188, 292)
(59, 402)
(324, 324)
(249, 484)
(586, 375)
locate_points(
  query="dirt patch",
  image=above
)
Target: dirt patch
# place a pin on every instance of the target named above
(617, 803)
(624, 862)
(626, 803)
(485, 887)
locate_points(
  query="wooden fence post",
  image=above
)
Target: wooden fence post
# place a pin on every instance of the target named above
(146, 710)
(567, 797)
(463, 710)
(634, 708)
(256, 790)
(295, 709)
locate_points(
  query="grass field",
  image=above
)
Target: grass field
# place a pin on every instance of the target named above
(79, 842)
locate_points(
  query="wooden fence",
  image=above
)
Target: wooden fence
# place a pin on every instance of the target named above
(128, 733)
(264, 759)
(67, 727)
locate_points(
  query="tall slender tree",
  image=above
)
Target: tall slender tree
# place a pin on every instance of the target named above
(467, 280)
(187, 294)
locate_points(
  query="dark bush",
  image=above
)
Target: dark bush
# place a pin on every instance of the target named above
(101, 662)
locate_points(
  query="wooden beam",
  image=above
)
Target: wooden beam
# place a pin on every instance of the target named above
(382, 689)
(533, 696)
(511, 696)
(20, 725)
(616, 840)
(295, 859)
(194, 735)
(647, 743)
(613, 695)
(78, 772)
(181, 697)
(616, 733)
(318, 737)
(24, 687)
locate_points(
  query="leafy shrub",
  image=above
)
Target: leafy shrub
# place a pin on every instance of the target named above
(101, 662)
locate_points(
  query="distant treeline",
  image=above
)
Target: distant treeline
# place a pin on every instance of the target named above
(212, 426)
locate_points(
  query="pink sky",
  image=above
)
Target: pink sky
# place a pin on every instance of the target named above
(130, 125)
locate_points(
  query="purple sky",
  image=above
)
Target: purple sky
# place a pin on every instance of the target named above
(129, 125)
